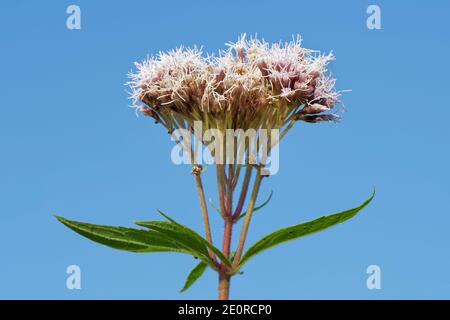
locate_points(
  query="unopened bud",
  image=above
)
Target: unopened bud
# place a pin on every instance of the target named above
(318, 118)
(149, 112)
(197, 169)
(314, 109)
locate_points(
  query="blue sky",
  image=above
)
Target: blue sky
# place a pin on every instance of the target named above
(70, 145)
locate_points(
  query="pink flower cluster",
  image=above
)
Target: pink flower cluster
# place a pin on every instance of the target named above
(252, 84)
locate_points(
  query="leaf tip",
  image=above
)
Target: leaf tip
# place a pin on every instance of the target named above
(371, 196)
(60, 219)
(139, 223)
(164, 215)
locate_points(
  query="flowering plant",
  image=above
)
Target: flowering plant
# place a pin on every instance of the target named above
(237, 97)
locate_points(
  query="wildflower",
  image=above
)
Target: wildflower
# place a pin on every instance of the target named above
(252, 84)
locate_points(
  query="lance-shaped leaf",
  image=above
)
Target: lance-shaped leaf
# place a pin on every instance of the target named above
(213, 205)
(262, 205)
(128, 239)
(196, 273)
(179, 232)
(300, 230)
(174, 233)
(200, 239)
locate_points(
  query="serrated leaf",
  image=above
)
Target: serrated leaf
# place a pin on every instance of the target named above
(300, 230)
(262, 205)
(175, 230)
(200, 239)
(193, 276)
(121, 238)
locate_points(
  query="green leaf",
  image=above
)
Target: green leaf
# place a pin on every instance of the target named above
(177, 232)
(300, 230)
(121, 238)
(245, 212)
(200, 239)
(194, 275)
(258, 207)
(173, 232)
(213, 205)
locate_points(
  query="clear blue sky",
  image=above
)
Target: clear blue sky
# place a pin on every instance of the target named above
(69, 145)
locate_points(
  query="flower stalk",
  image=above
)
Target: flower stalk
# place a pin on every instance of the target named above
(248, 216)
(197, 171)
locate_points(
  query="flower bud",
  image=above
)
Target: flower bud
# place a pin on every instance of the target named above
(314, 109)
(318, 118)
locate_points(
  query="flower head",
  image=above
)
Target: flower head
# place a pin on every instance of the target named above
(252, 84)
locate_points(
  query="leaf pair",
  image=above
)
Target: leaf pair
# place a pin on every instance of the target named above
(170, 236)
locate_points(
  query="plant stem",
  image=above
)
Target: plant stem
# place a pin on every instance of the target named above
(228, 216)
(205, 216)
(224, 285)
(248, 216)
(227, 232)
(224, 276)
(229, 192)
(243, 195)
(236, 175)
(221, 189)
